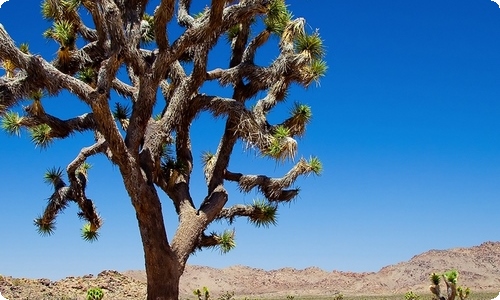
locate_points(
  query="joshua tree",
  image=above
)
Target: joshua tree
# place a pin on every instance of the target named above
(147, 133)
(450, 279)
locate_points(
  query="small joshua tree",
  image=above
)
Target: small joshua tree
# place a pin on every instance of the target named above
(95, 294)
(450, 279)
(411, 296)
(205, 293)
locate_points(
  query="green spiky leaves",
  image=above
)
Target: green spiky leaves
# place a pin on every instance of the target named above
(44, 227)
(121, 114)
(315, 165)
(95, 294)
(89, 233)
(451, 276)
(63, 32)
(40, 135)
(264, 214)
(24, 47)
(49, 11)
(233, 32)
(88, 76)
(277, 17)
(435, 278)
(310, 45)
(282, 146)
(12, 123)
(147, 29)
(301, 115)
(53, 176)
(463, 293)
(225, 241)
(52, 10)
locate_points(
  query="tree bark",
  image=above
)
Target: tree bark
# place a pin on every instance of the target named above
(163, 270)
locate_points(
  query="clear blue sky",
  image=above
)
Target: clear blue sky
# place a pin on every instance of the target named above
(406, 123)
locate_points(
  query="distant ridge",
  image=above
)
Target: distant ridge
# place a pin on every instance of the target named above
(479, 269)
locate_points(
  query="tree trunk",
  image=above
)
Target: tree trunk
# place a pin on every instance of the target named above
(163, 269)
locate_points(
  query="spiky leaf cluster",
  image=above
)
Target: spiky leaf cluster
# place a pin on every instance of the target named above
(88, 76)
(44, 227)
(53, 176)
(40, 135)
(225, 241)
(63, 32)
(277, 17)
(147, 29)
(451, 276)
(95, 294)
(122, 114)
(282, 146)
(89, 233)
(435, 278)
(310, 45)
(463, 293)
(12, 123)
(264, 215)
(24, 47)
(301, 115)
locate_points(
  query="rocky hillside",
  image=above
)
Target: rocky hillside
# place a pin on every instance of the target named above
(479, 269)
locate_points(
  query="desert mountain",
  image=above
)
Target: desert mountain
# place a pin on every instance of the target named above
(479, 269)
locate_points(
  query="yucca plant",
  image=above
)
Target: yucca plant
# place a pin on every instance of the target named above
(121, 114)
(95, 294)
(12, 123)
(451, 276)
(264, 214)
(40, 135)
(463, 293)
(88, 76)
(147, 29)
(49, 10)
(282, 146)
(89, 232)
(54, 176)
(315, 165)
(450, 279)
(36, 108)
(25, 48)
(226, 241)
(278, 17)
(310, 46)
(43, 226)
(411, 296)
(64, 33)
(204, 292)
(301, 115)
(112, 39)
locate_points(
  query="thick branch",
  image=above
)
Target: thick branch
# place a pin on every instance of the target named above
(274, 189)
(60, 128)
(162, 15)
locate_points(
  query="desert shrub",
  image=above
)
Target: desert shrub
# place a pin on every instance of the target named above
(411, 296)
(226, 296)
(338, 296)
(95, 294)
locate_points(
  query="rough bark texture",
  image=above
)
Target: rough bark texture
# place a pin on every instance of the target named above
(123, 37)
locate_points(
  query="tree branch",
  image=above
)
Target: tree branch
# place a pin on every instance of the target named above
(274, 189)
